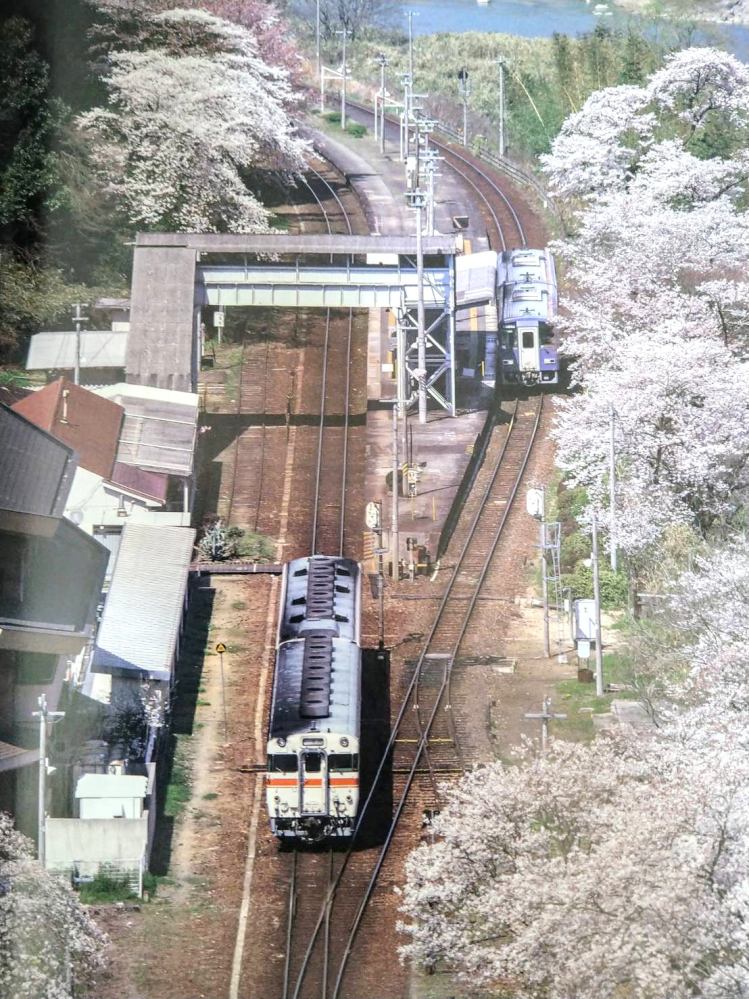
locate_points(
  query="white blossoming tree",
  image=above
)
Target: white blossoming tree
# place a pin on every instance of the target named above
(617, 869)
(681, 428)
(658, 321)
(187, 133)
(48, 942)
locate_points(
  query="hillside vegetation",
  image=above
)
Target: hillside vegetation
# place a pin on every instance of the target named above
(166, 119)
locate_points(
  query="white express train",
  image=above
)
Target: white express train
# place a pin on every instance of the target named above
(312, 789)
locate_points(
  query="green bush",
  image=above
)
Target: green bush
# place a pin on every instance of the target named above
(358, 131)
(571, 502)
(334, 117)
(575, 547)
(613, 585)
(107, 886)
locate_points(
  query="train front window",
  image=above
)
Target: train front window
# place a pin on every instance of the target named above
(343, 761)
(528, 340)
(313, 763)
(283, 763)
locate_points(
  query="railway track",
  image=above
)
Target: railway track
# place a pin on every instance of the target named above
(503, 225)
(328, 537)
(424, 731)
(330, 893)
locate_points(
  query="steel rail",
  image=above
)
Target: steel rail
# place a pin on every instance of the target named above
(452, 152)
(448, 669)
(318, 479)
(488, 179)
(321, 430)
(290, 926)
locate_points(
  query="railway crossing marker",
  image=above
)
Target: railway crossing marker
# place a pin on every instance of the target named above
(546, 715)
(221, 649)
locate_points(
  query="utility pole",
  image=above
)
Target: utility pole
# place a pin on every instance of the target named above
(500, 63)
(544, 576)
(545, 716)
(78, 319)
(383, 61)
(43, 715)
(410, 14)
(597, 599)
(612, 487)
(464, 85)
(394, 524)
(343, 82)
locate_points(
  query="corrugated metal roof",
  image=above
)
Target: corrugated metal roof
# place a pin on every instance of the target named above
(154, 485)
(144, 607)
(99, 349)
(159, 429)
(36, 469)
(82, 419)
(111, 786)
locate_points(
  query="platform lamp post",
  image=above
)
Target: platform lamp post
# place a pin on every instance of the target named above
(501, 65)
(382, 60)
(44, 716)
(464, 85)
(343, 81)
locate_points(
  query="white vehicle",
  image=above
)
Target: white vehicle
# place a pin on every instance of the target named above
(312, 788)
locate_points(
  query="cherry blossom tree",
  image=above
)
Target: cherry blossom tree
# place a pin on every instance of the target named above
(598, 150)
(129, 25)
(657, 263)
(682, 430)
(612, 869)
(185, 135)
(47, 940)
(700, 86)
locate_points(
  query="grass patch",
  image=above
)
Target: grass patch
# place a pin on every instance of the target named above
(107, 886)
(180, 779)
(279, 223)
(203, 703)
(239, 605)
(211, 796)
(574, 695)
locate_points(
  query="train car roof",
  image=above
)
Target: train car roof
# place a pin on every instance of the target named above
(328, 702)
(320, 589)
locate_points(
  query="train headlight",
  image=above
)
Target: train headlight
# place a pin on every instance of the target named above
(344, 742)
(276, 798)
(349, 799)
(281, 742)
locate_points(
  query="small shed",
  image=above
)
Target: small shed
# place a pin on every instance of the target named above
(111, 796)
(142, 618)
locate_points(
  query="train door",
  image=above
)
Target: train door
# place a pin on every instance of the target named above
(528, 348)
(314, 790)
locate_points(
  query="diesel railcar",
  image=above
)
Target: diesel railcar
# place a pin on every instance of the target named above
(527, 296)
(312, 789)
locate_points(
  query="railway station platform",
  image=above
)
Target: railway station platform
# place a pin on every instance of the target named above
(444, 445)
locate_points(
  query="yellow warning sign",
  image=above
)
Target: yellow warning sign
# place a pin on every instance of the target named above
(220, 648)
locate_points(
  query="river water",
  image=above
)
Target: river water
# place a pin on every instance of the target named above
(541, 18)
